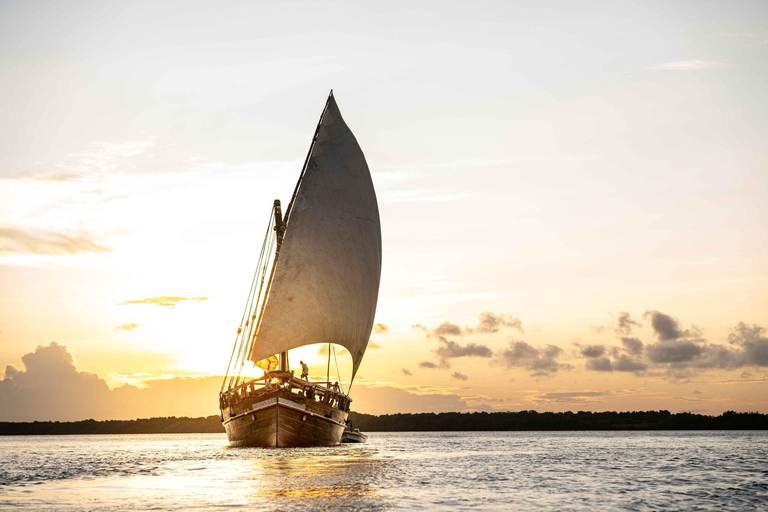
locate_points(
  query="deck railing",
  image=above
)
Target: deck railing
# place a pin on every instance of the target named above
(274, 381)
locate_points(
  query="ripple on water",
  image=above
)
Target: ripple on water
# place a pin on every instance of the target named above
(416, 471)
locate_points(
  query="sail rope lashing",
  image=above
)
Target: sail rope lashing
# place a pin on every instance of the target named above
(241, 335)
(258, 303)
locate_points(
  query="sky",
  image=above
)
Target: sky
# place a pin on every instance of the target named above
(572, 196)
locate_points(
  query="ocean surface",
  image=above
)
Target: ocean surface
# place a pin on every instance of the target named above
(392, 471)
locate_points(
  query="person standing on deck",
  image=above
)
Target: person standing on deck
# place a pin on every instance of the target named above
(304, 370)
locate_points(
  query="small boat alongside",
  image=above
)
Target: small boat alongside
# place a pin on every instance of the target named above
(353, 436)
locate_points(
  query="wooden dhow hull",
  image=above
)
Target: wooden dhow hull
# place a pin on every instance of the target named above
(282, 419)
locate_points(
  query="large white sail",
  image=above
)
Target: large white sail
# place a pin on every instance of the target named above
(326, 281)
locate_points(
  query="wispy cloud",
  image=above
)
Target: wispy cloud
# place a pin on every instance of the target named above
(692, 65)
(107, 156)
(162, 300)
(128, 326)
(380, 328)
(15, 240)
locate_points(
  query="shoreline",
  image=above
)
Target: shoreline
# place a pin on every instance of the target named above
(521, 421)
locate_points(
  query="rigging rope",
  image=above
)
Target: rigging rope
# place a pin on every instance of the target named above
(247, 340)
(241, 335)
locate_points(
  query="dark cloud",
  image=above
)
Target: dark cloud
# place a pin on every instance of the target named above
(591, 351)
(625, 324)
(679, 352)
(752, 340)
(459, 376)
(163, 301)
(407, 373)
(540, 361)
(128, 326)
(39, 241)
(674, 351)
(600, 364)
(450, 349)
(380, 329)
(627, 364)
(632, 345)
(621, 363)
(666, 327)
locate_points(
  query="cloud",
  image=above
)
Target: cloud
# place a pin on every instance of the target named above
(459, 376)
(39, 241)
(542, 362)
(665, 326)
(323, 350)
(49, 386)
(600, 364)
(380, 329)
(632, 345)
(572, 397)
(431, 366)
(621, 364)
(674, 351)
(450, 349)
(692, 65)
(626, 364)
(373, 345)
(680, 352)
(162, 300)
(447, 328)
(128, 326)
(591, 351)
(625, 324)
(407, 373)
(490, 323)
(753, 342)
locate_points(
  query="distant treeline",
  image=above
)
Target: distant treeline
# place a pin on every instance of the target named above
(447, 421)
(172, 425)
(532, 420)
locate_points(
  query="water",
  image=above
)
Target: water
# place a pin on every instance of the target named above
(410, 471)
